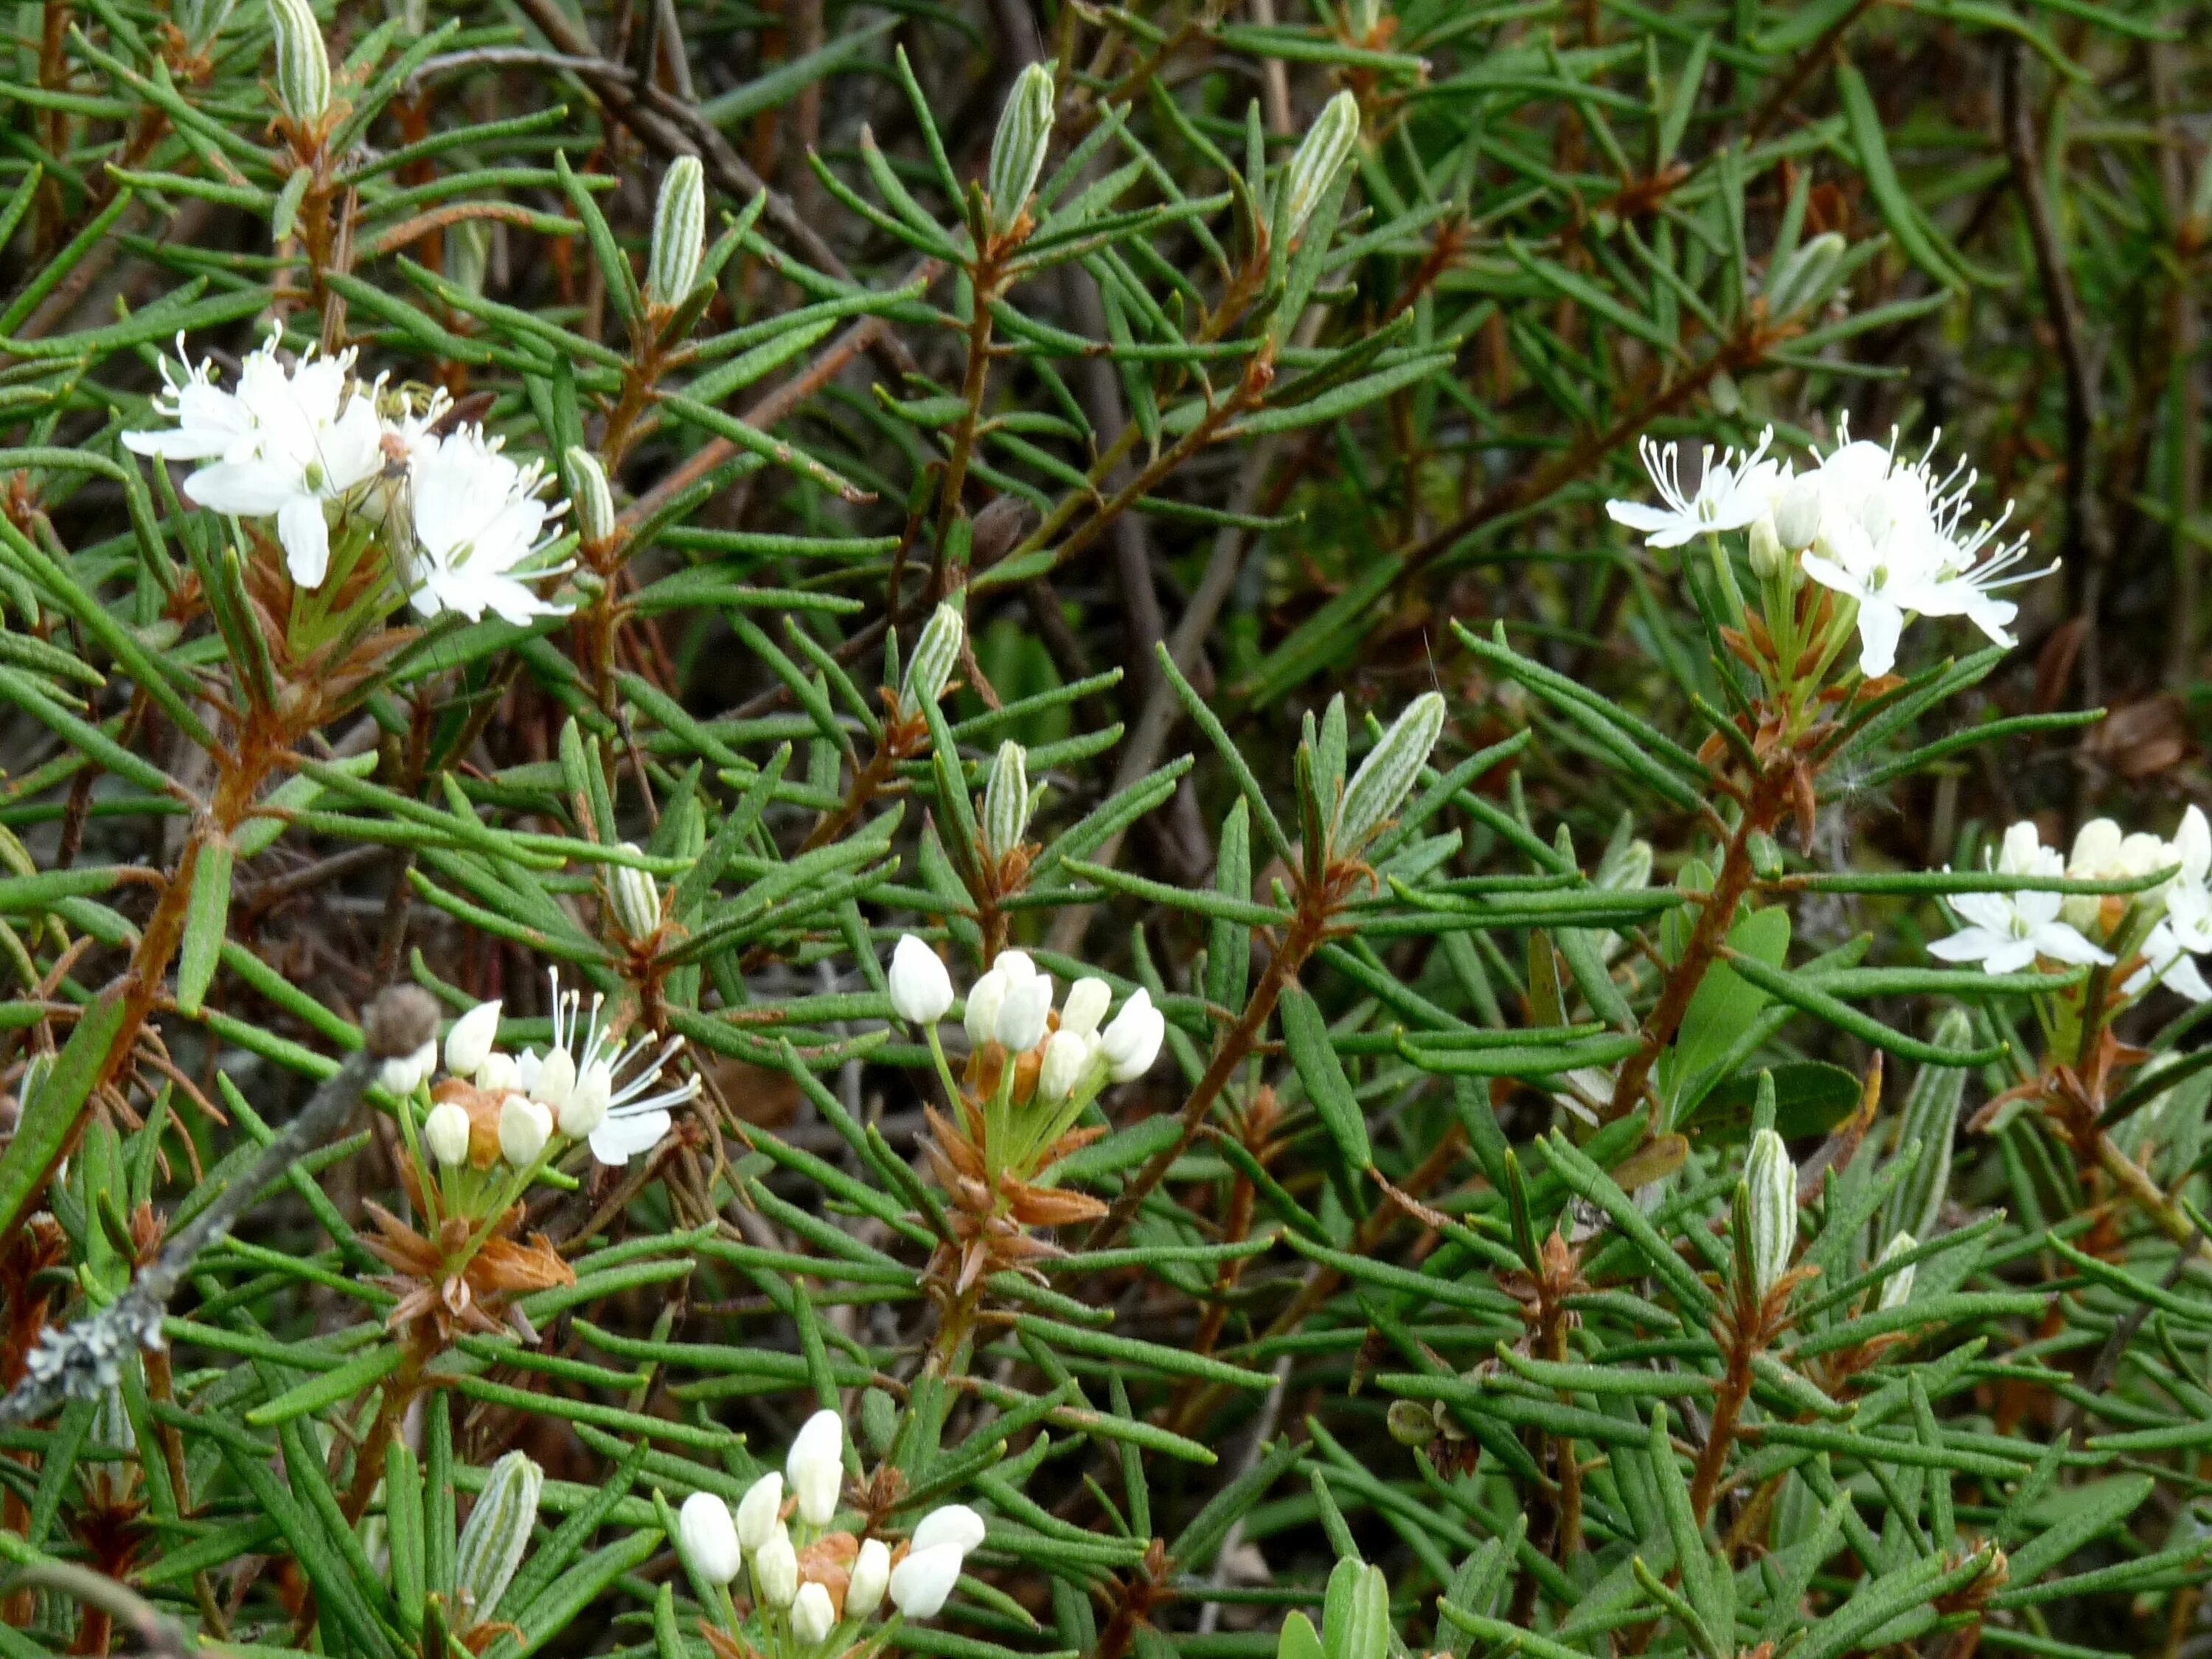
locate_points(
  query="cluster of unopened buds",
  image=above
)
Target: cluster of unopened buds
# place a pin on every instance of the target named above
(812, 1586)
(333, 467)
(2160, 930)
(1010, 1004)
(493, 1107)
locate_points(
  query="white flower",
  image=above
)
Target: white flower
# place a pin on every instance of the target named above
(552, 1080)
(1086, 1004)
(409, 1072)
(469, 1043)
(2006, 933)
(815, 1466)
(921, 991)
(1067, 1059)
(985, 998)
(613, 1103)
(499, 1073)
(2102, 853)
(812, 1617)
(1889, 536)
(1731, 493)
(708, 1537)
(757, 1510)
(871, 1577)
(949, 1523)
(524, 1127)
(477, 519)
(922, 1582)
(1132, 1042)
(2166, 950)
(1022, 1016)
(776, 1569)
(284, 446)
(445, 1133)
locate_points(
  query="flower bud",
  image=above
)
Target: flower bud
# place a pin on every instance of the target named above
(469, 1041)
(1386, 776)
(1016, 965)
(708, 1537)
(1772, 1180)
(1131, 1042)
(446, 1134)
(501, 1074)
(679, 233)
(986, 997)
(934, 656)
(757, 1511)
(812, 1617)
(921, 991)
(636, 899)
(498, 1532)
(594, 496)
(949, 1523)
(1022, 1018)
(870, 1578)
(921, 1583)
(1769, 558)
(1897, 1289)
(815, 1466)
(1804, 279)
(409, 1072)
(1086, 1006)
(524, 1127)
(1018, 147)
(586, 1108)
(1313, 168)
(303, 63)
(1797, 513)
(1066, 1058)
(555, 1082)
(1006, 801)
(776, 1569)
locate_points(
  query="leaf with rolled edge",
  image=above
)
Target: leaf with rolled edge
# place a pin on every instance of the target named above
(1305, 1033)
(49, 1118)
(1801, 993)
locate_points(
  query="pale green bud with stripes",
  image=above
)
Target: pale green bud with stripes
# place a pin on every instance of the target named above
(594, 498)
(1772, 1180)
(1313, 168)
(1018, 149)
(303, 62)
(935, 655)
(679, 232)
(492, 1544)
(1007, 800)
(1386, 776)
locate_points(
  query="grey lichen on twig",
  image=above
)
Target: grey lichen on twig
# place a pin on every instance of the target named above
(84, 1359)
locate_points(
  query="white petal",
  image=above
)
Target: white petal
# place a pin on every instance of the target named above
(2058, 941)
(619, 1140)
(245, 490)
(1881, 623)
(307, 540)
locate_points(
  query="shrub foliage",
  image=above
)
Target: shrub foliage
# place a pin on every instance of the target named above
(1102, 830)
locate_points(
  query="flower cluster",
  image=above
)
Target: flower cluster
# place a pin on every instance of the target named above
(313, 452)
(1010, 1004)
(1889, 536)
(586, 1086)
(2160, 930)
(813, 1585)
